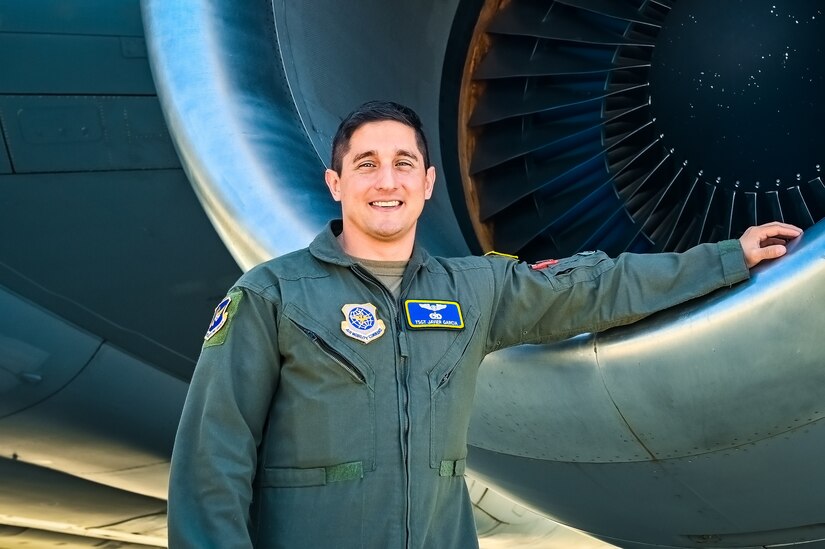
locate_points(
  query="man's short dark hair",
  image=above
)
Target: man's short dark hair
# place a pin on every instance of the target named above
(376, 111)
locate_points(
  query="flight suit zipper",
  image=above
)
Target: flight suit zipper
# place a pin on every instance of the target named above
(327, 349)
(403, 353)
(446, 377)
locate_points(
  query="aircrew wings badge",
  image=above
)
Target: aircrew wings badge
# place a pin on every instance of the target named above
(434, 314)
(362, 322)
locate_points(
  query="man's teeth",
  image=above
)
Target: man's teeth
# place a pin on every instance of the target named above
(387, 203)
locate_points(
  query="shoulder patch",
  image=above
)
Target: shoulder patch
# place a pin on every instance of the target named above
(219, 327)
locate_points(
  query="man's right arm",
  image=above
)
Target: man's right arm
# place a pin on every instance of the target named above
(215, 454)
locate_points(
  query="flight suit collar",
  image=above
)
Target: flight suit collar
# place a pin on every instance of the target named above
(326, 248)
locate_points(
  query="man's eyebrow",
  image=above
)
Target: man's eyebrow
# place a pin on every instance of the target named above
(404, 152)
(398, 152)
(361, 156)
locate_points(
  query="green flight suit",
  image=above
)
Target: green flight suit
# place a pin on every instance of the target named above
(297, 435)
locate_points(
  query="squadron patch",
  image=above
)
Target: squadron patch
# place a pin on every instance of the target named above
(431, 313)
(217, 331)
(362, 322)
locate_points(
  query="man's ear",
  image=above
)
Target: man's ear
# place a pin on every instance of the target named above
(430, 182)
(333, 184)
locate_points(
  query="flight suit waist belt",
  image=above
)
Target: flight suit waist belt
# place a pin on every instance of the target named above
(288, 477)
(452, 468)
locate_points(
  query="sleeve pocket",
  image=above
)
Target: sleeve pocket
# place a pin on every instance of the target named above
(581, 267)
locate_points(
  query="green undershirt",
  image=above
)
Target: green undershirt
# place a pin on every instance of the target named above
(389, 273)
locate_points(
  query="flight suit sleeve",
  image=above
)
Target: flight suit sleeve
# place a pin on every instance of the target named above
(591, 292)
(215, 453)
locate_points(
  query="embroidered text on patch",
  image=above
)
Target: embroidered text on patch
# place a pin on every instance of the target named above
(433, 313)
(362, 322)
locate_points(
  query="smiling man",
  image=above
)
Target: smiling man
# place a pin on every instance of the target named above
(332, 398)
(382, 188)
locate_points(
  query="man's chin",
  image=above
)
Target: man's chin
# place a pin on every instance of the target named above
(390, 234)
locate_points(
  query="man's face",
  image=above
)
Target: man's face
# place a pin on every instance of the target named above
(383, 183)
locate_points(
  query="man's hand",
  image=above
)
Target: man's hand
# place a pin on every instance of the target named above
(766, 241)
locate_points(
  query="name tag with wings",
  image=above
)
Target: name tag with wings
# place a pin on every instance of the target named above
(433, 313)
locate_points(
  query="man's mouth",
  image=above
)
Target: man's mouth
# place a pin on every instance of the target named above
(386, 203)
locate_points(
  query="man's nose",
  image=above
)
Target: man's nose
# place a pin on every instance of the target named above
(387, 178)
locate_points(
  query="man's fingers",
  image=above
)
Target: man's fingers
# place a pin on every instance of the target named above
(773, 241)
(771, 252)
(770, 234)
(755, 255)
(767, 241)
(777, 228)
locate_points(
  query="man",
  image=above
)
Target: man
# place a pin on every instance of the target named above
(331, 401)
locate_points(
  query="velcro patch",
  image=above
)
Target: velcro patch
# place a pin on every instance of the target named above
(219, 327)
(432, 313)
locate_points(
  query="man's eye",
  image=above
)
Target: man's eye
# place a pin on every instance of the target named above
(404, 163)
(366, 165)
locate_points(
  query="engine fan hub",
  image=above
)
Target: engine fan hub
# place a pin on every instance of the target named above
(737, 91)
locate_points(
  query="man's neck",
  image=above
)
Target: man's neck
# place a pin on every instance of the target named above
(377, 250)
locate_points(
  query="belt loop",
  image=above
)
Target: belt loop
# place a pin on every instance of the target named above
(452, 468)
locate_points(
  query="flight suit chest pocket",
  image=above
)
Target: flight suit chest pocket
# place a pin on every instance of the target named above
(452, 388)
(323, 413)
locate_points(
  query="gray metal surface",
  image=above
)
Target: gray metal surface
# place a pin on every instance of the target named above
(73, 133)
(77, 44)
(741, 365)
(85, 436)
(392, 51)
(278, 102)
(663, 433)
(100, 225)
(258, 177)
(39, 354)
(126, 423)
(5, 163)
(63, 388)
(86, 506)
(704, 420)
(127, 255)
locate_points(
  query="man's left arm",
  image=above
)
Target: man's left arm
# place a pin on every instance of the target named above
(591, 292)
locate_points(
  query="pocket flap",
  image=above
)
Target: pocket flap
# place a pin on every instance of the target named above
(292, 477)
